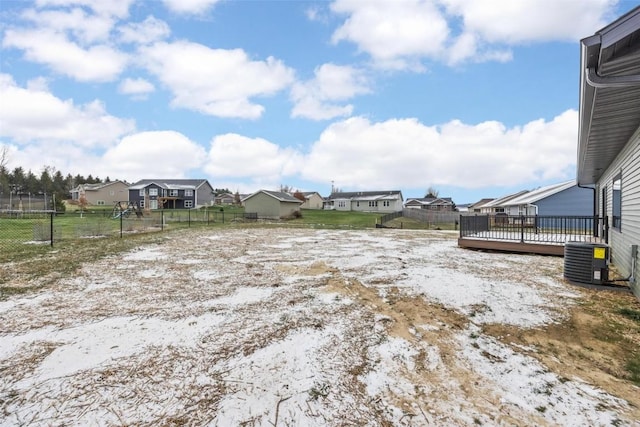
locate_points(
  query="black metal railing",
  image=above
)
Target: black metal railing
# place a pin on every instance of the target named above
(534, 229)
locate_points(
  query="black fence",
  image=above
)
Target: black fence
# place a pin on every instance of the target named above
(46, 228)
(535, 229)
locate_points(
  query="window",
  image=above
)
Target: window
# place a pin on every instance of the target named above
(141, 203)
(499, 210)
(386, 203)
(100, 202)
(342, 204)
(153, 191)
(373, 204)
(616, 202)
(188, 203)
(141, 192)
(173, 193)
(188, 193)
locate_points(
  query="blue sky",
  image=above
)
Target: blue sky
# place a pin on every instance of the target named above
(473, 98)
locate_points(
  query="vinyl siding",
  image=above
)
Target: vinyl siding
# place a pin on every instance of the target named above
(628, 164)
(572, 201)
(268, 207)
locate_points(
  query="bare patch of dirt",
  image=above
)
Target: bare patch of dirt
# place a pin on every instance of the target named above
(594, 343)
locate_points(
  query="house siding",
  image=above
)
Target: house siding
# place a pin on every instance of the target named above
(627, 163)
(203, 195)
(363, 206)
(315, 201)
(269, 207)
(572, 201)
(103, 194)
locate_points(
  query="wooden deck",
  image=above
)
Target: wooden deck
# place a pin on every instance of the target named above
(511, 246)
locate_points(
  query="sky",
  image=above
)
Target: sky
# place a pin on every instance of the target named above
(473, 99)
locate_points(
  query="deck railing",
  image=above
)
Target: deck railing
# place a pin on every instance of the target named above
(534, 229)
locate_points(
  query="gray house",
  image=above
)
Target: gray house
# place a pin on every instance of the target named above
(153, 194)
(271, 204)
(609, 135)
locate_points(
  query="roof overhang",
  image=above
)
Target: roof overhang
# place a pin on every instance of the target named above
(609, 95)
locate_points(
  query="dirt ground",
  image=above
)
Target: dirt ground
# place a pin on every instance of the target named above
(265, 327)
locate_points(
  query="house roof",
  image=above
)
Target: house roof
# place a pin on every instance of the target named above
(426, 201)
(308, 194)
(279, 195)
(98, 186)
(609, 94)
(368, 195)
(502, 201)
(480, 203)
(169, 184)
(538, 194)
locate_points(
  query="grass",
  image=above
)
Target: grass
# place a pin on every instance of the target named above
(412, 224)
(335, 219)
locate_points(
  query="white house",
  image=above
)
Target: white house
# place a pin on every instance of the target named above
(609, 135)
(365, 201)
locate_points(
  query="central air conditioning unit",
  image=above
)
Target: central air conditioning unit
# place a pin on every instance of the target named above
(586, 263)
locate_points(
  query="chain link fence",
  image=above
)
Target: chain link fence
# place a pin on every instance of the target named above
(46, 228)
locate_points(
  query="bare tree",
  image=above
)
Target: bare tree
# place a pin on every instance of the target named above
(4, 158)
(432, 193)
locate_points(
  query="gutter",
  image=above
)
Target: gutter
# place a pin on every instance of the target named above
(596, 80)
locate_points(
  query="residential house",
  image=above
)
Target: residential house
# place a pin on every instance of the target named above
(153, 194)
(105, 193)
(271, 204)
(365, 201)
(562, 199)
(312, 200)
(497, 206)
(477, 206)
(609, 135)
(224, 199)
(439, 204)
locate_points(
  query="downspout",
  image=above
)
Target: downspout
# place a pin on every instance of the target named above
(595, 208)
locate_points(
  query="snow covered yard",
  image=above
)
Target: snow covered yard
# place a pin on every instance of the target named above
(262, 327)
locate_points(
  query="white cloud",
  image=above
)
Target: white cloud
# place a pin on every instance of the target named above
(255, 159)
(86, 28)
(137, 87)
(190, 6)
(396, 34)
(96, 63)
(148, 31)
(315, 99)
(400, 34)
(516, 22)
(216, 82)
(404, 153)
(165, 153)
(115, 8)
(34, 114)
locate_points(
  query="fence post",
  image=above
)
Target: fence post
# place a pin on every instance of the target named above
(162, 220)
(189, 217)
(121, 223)
(51, 228)
(521, 229)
